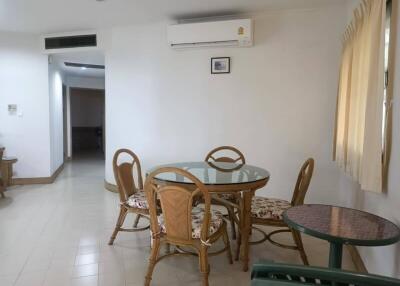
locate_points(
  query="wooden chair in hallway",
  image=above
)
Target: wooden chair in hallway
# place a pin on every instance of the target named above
(180, 224)
(268, 211)
(2, 189)
(131, 195)
(226, 199)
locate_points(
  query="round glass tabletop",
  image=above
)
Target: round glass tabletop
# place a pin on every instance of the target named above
(342, 225)
(214, 173)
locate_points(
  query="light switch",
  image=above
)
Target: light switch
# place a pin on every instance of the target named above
(12, 109)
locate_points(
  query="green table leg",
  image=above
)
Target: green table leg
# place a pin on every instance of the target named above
(335, 255)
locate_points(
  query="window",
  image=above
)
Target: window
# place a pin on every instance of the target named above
(361, 147)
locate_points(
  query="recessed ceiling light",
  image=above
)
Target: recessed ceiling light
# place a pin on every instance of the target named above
(83, 68)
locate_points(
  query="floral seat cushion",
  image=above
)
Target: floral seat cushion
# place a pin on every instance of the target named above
(268, 208)
(138, 200)
(197, 221)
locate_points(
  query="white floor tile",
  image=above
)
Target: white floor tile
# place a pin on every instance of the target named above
(85, 270)
(8, 280)
(87, 259)
(85, 281)
(35, 278)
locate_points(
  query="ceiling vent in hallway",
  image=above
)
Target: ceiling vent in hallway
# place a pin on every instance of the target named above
(64, 42)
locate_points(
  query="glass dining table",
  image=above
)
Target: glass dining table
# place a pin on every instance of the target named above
(221, 177)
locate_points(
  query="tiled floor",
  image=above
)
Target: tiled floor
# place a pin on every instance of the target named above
(56, 235)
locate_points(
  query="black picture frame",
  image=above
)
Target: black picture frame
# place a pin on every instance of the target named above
(223, 71)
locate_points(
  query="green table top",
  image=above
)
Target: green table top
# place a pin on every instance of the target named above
(342, 225)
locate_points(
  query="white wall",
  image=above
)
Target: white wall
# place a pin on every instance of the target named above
(381, 260)
(277, 105)
(35, 135)
(56, 116)
(24, 81)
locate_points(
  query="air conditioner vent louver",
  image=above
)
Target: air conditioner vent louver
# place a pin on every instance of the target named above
(205, 44)
(66, 42)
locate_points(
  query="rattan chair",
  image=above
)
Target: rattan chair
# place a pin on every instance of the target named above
(229, 197)
(268, 212)
(2, 189)
(131, 195)
(180, 224)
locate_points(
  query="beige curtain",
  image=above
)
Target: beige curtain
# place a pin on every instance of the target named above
(358, 134)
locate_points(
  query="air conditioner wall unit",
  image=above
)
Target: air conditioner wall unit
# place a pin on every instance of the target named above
(233, 33)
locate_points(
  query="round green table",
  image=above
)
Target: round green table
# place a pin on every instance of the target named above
(339, 226)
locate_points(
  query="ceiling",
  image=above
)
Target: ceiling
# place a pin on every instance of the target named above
(92, 57)
(48, 16)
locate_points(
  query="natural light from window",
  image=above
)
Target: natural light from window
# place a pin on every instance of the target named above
(386, 103)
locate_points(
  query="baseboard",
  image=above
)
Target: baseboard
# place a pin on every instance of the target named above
(39, 180)
(110, 187)
(357, 260)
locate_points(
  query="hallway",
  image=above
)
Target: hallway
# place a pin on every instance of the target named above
(57, 235)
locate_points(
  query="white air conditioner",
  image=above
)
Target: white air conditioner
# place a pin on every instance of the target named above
(232, 33)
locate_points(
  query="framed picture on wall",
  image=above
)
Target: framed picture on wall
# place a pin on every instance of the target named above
(220, 65)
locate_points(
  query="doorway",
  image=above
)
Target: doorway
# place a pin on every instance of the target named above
(77, 82)
(65, 118)
(87, 121)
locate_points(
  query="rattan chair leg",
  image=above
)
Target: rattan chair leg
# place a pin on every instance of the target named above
(297, 239)
(168, 248)
(238, 242)
(152, 260)
(204, 267)
(227, 243)
(137, 218)
(2, 189)
(120, 222)
(231, 215)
